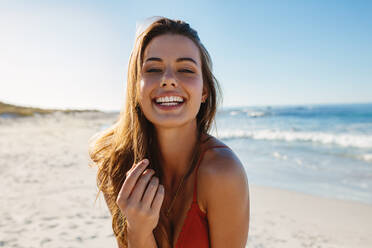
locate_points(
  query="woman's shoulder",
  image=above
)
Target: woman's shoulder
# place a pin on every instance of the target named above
(220, 173)
(218, 158)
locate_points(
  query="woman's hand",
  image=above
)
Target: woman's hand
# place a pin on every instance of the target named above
(140, 199)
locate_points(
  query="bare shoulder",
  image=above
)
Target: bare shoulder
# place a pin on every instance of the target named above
(220, 161)
(221, 171)
(225, 193)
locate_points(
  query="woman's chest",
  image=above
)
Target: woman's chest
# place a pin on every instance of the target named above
(176, 210)
(180, 210)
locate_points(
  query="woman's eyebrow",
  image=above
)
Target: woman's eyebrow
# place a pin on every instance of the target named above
(187, 59)
(154, 59)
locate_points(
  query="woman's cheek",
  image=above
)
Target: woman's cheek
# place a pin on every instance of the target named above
(142, 86)
(196, 86)
(144, 93)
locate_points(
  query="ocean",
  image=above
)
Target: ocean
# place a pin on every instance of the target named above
(324, 150)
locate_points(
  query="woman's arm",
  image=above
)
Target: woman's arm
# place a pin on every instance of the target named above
(227, 199)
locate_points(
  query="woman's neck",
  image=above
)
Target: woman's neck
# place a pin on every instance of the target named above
(176, 146)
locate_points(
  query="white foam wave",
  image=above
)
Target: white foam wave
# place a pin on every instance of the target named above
(234, 113)
(256, 114)
(345, 140)
(253, 114)
(280, 156)
(367, 157)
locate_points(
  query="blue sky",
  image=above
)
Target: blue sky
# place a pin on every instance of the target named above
(74, 54)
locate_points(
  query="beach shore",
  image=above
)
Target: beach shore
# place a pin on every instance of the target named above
(282, 218)
(48, 193)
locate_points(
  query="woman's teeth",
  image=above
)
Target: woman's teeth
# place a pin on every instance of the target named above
(169, 100)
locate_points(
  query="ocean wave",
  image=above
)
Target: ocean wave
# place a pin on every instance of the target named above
(246, 112)
(367, 157)
(344, 140)
(256, 114)
(280, 156)
(252, 114)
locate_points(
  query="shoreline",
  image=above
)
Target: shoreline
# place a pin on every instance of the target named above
(316, 194)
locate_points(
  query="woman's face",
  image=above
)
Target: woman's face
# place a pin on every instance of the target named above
(171, 86)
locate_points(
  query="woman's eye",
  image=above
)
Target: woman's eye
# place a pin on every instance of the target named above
(153, 70)
(186, 70)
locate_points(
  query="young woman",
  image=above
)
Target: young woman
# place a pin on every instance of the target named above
(185, 188)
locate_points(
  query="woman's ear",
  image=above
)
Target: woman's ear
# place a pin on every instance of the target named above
(204, 94)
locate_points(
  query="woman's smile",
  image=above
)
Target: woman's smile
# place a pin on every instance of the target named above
(169, 102)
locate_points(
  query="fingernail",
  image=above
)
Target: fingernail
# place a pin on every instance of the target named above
(145, 161)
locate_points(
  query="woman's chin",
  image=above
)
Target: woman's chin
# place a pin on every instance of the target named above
(172, 122)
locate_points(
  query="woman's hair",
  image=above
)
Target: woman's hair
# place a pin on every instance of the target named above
(132, 137)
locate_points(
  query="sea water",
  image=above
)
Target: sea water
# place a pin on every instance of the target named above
(323, 150)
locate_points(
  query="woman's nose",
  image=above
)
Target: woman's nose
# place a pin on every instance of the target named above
(168, 79)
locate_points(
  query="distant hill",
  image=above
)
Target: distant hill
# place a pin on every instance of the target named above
(9, 109)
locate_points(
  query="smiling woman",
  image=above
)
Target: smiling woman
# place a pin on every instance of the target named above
(194, 192)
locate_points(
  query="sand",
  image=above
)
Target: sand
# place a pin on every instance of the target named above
(281, 218)
(47, 195)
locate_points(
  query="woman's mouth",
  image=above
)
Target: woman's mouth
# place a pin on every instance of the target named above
(169, 102)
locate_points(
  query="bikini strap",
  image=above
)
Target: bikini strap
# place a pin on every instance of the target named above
(194, 198)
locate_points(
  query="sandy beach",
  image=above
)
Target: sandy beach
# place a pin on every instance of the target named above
(48, 192)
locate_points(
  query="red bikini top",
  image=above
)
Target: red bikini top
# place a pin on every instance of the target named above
(195, 232)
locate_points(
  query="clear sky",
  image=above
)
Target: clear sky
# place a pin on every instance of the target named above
(74, 54)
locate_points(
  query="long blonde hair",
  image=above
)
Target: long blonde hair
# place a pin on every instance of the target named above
(133, 138)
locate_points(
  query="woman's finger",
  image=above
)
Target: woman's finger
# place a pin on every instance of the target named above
(158, 200)
(131, 179)
(140, 186)
(134, 166)
(148, 197)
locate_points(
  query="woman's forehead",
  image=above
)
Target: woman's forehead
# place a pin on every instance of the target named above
(172, 47)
